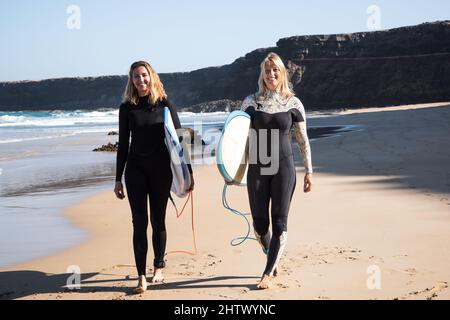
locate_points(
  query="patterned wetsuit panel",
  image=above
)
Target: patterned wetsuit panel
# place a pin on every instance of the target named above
(277, 110)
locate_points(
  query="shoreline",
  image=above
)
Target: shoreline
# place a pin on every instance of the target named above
(299, 277)
(347, 111)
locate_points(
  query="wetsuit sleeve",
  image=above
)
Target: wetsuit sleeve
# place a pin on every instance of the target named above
(248, 102)
(301, 135)
(124, 141)
(177, 125)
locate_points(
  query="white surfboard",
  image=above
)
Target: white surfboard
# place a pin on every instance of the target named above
(181, 177)
(232, 151)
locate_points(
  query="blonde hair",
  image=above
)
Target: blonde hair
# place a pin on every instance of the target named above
(157, 92)
(283, 87)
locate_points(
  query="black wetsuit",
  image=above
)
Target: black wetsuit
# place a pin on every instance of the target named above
(271, 175)
(147, 174)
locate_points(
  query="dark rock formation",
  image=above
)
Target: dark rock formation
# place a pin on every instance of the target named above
(392, 67)
(63, 94)
(108, 147)
(192, 136)
(214, 106)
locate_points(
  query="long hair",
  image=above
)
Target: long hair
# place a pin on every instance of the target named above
(283, 87)
(157, 92)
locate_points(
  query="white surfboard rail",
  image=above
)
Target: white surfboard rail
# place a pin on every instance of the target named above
(181, 181)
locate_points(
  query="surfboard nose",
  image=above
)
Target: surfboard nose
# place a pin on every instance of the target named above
(232, 149)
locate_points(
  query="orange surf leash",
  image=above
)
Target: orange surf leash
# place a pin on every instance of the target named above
(190, 197)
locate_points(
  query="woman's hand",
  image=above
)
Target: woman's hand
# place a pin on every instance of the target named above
(307, 183)
(191, 188)
(118, 190)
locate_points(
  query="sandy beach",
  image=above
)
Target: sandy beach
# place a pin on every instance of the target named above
(375, 226)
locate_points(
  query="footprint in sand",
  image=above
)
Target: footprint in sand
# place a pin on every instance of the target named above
(327, 255)
(285, 270)
(213, 263)
(186, 266)
(401, 255)
(411, 271)
(376, 259)
(430, 293)
(440, 286)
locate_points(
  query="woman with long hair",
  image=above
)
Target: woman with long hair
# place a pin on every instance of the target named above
(274, 111)
(148, 176)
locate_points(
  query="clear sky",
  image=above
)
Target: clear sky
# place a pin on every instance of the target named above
(47, 39)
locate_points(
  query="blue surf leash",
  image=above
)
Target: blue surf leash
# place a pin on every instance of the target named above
(238, 240)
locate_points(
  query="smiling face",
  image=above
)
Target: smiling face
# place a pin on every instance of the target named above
(272, 75)
(141, 80)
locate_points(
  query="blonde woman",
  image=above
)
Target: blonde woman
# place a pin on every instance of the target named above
(148, 176)
(274, 110)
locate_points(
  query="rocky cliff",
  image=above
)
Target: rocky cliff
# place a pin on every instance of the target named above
(392, 67)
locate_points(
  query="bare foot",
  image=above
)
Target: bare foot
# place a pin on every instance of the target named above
(157, 276)
(265, 282)
(142, 286)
